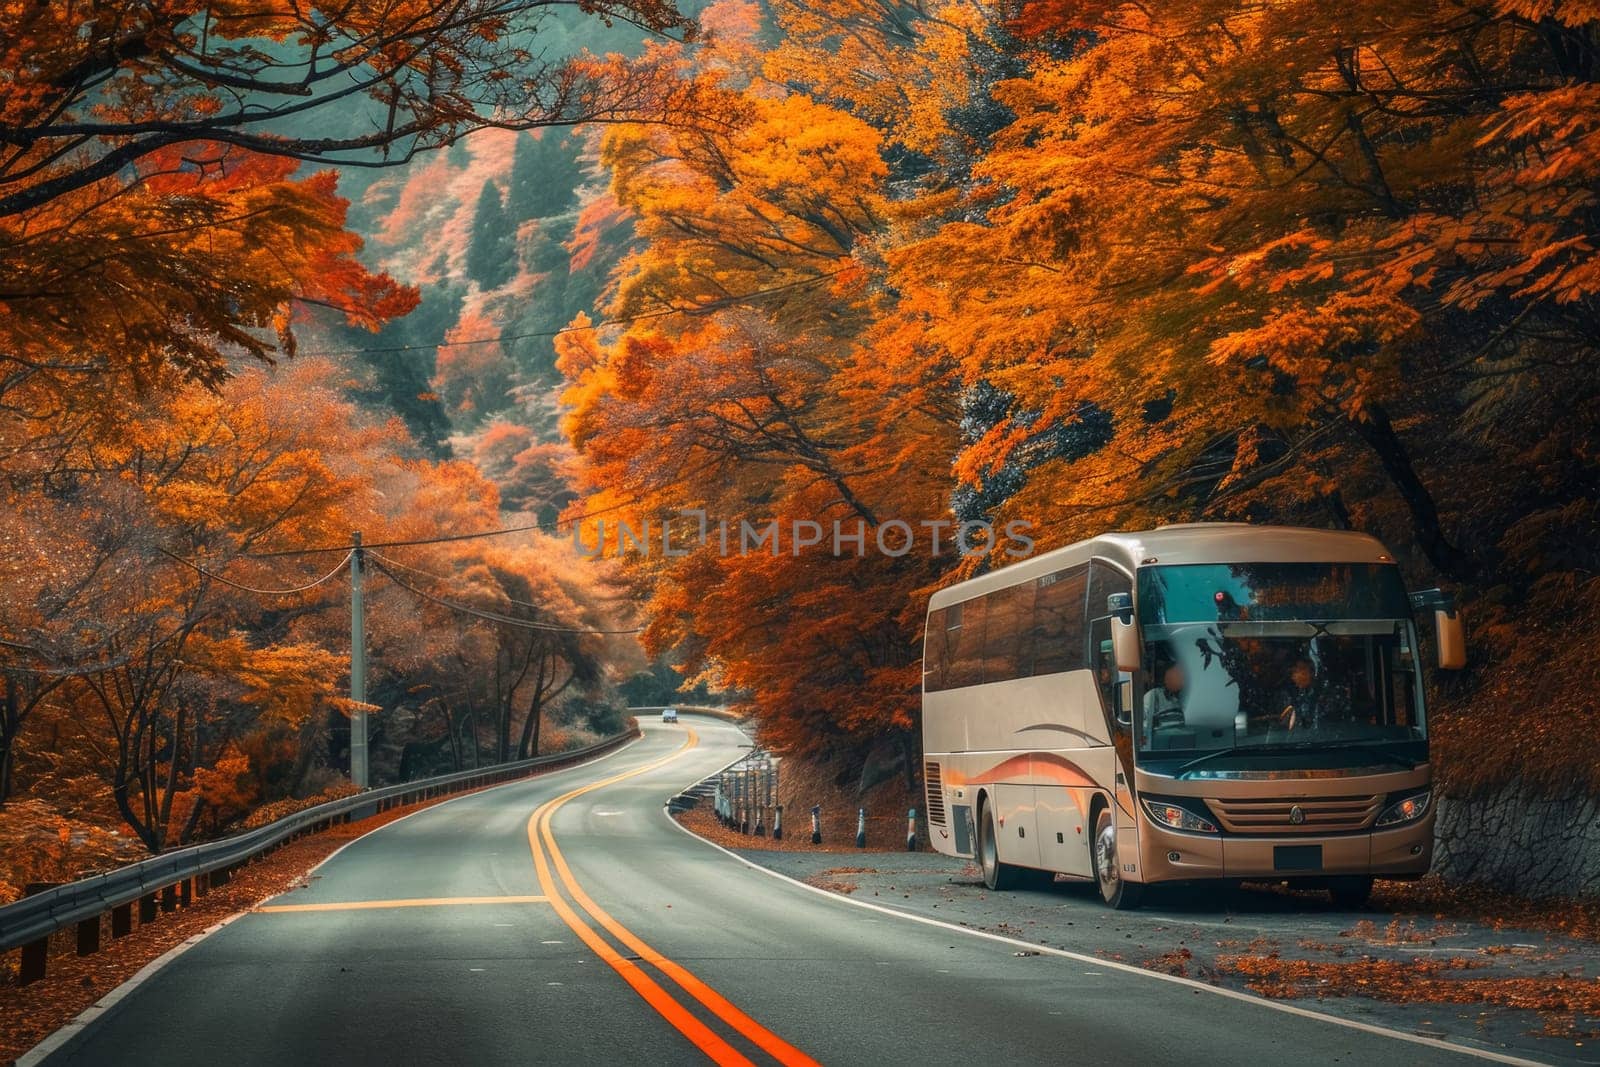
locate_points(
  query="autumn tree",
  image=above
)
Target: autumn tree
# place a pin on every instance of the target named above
(367, 84)
(1247, 235)
(760, 404)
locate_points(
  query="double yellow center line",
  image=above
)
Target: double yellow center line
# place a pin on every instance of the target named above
(671, 1008)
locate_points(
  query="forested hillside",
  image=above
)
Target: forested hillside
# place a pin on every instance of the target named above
(1099, 266)
(1078, 266)
(189, 443)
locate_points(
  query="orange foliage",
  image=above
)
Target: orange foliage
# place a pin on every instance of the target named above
(1096, 266)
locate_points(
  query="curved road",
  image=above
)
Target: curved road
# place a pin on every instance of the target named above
(564, 919)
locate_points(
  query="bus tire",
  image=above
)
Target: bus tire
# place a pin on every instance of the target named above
(998, 876)
(1116, 891)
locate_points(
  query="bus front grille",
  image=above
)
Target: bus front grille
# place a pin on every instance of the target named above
(930, 775)
(1316, 815)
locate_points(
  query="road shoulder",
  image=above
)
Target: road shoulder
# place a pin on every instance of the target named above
(1516, 992)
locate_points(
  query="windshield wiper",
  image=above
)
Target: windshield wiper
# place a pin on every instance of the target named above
(1218, 754)
(1297, 746)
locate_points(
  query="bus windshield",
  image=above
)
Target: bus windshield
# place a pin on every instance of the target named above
(1260, 657)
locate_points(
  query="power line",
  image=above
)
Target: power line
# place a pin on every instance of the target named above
(441, 539)
(701, 309)
(544, 527)
(491, 616)
(509, 599)
(250, 588)
(76, 672)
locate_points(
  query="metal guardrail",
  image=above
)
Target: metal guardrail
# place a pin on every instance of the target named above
(697, 709)
(28, 923)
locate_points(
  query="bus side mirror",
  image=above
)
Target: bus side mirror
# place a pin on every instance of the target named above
(1125, 644)
(1124, 632)
(1447, 628)
(1452, 638)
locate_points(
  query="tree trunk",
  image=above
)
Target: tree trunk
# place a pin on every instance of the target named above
(1376, 430)
(511, 704)
(502, 707)
(450, 731)
(10, 725)
(530, 725)
(909, 751)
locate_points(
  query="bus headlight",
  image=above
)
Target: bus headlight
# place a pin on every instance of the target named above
(1177, 817)
(1408, 808)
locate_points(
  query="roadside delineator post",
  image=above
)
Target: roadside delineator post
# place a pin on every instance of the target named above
(861, 828)
(911, 831)
(777, 823)
(816, 824)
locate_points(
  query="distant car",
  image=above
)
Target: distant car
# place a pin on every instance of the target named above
(669, 715)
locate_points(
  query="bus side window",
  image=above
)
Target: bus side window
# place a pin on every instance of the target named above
(966, 646)
(1058, 621)
(1104, 580)
(1006, 633)
(1116, 695)
(935, 651)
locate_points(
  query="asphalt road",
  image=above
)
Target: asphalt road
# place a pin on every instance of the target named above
(566, 920)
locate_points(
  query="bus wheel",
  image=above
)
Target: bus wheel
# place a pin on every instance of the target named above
(1350, 892)
(996, 875)
(1116, 892)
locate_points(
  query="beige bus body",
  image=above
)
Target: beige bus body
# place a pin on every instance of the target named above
(1039, 755)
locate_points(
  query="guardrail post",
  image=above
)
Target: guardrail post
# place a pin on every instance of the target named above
(122, 920)
(816, 824)
(169, 898)
(147, 908)
(89, 936)
(185, 892)
(35, 954)
(201, 884)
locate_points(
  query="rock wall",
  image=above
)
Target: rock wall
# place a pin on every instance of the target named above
(1521, 840)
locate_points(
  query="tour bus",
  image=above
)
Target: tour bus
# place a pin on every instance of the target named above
(1207, 702)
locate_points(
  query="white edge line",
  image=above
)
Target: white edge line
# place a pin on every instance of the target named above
(60, 1037)
(1231, 994)
(64, 1034)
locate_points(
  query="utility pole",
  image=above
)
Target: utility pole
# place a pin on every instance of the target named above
(358, 671)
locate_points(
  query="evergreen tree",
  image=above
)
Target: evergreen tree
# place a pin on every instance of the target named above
(492, 255)
(544, 176)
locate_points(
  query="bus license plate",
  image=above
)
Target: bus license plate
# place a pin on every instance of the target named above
(1297, 858)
